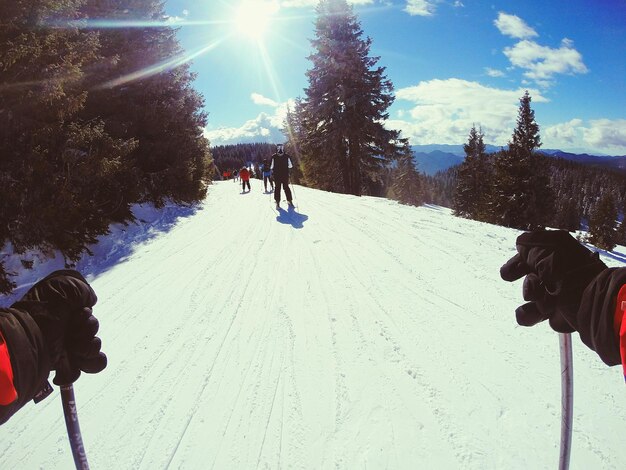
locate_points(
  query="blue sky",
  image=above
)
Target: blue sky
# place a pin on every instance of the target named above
(454, 63)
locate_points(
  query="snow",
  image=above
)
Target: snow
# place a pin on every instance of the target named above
(355, 333)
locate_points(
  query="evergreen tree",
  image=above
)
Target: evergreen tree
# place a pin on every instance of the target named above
(621, 233)
(620, 238)
(406, 181)
(58, 170)
(567, 215)
(474, 180)
(78, 148)
(602, 223)
(343, 142)
(522, 195)
(144, 92)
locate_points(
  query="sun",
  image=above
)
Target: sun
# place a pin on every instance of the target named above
(253, 17)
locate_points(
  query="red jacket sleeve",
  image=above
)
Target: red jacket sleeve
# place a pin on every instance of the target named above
(620, 325)
(29, 364)
(8, 394)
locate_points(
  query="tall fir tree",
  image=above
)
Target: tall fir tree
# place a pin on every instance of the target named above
(80, 141)
(473, 180)
(522, 195)
(58, 170)
(603, 223)
(144, 91)
(344, 144)
(567, 216)
(621, 232)
(406, 182)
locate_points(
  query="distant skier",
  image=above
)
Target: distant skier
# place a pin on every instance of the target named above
(51, 328)
(266, 169)
(569, 286)
(280, 166)
(244, 173)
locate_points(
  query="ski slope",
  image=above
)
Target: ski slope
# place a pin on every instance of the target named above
(356, 333)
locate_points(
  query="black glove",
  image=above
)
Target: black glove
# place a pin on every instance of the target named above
(61, 305)
(557, 269)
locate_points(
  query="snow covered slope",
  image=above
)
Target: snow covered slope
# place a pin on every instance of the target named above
(357, 333)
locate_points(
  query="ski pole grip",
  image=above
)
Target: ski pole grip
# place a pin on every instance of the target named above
(73, 427)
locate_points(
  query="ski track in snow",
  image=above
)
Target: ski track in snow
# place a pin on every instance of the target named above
(351, 333)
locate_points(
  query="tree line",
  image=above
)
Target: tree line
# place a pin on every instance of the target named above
(522, 188)
(91, 121)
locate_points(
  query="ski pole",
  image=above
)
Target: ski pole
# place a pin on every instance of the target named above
(567, 399)
(73, 428)
(293, 190)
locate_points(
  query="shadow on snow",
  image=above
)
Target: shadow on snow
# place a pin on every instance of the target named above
(291, 217)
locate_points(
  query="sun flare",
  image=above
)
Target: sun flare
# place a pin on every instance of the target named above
(253, 17)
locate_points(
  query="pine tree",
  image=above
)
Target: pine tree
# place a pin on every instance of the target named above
(344, 144)
(621, 232)
(567, 216)
(144, 93)
(51, 157)
(406, 181)
(602, 223)
(474, 180)
(76, 154)
(522, 195)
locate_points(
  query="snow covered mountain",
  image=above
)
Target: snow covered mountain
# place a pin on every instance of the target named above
(353, 333)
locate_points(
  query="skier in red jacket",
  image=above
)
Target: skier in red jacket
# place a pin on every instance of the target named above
(244, 173)
(569, 286)
(51, 328)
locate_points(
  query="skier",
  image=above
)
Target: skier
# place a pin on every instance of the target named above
(569, 286)
(244, 173)
(51, 328)
(267, 174)
(280, 166)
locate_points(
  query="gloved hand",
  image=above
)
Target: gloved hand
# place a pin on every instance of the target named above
(557, 269)
(61, 305)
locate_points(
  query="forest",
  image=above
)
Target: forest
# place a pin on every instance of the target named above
(82, 138)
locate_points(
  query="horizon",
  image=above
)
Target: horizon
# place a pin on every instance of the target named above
(251, 58)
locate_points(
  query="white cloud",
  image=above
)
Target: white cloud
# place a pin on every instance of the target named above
(542, 63)
(458, 4)
(420, 7)
(264, 128)
(444, 111)
(260, 129)
(606, 136)
(262, 100)
(514, 26)
(494, 72)
(567, 132)
(185, 12)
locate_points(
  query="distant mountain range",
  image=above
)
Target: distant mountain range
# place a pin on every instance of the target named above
(437, 157)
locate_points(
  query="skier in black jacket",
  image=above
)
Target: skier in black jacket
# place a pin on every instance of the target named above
(569, 286)
(51, 328)
(280, 166)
